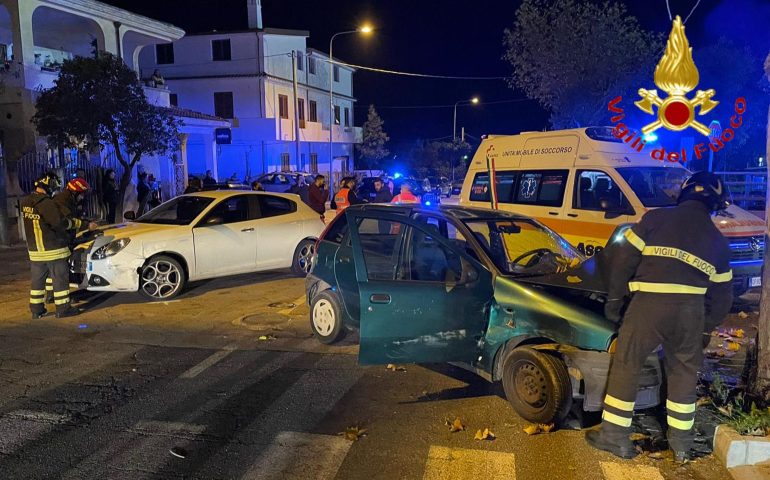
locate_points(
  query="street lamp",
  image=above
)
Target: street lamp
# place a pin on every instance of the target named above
(473, 101)
(365, 29)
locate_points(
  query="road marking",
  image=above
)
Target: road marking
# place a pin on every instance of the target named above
(170, 429)
(295, 455)
(20, 426)
(629, 471)
(297, 303)
(445, 463)
(211, 360)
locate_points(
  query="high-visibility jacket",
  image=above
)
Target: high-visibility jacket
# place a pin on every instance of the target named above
(675, 250)
(341, 199)
(406, 197)
(45, 226)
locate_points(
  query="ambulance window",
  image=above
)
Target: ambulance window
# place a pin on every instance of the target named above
(593, 186)
(543, 187)
(480, 188)
(504, 181)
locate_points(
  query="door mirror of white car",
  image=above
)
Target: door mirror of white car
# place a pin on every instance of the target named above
(214, 220)
(129, 215)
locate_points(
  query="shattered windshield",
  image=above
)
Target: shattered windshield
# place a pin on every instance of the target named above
(522, 247)
(655, 186)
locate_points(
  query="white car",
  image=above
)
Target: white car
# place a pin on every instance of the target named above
(203, 235)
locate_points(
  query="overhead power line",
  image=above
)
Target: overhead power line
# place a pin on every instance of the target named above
(449, 105)
(412, 74)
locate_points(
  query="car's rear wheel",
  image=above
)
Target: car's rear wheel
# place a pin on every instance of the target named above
(161, 278)
(537, 385)
(326, 317)
(303, 258)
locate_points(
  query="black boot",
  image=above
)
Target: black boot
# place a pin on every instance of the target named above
(618, 445)
(39, 315)
(67, 312)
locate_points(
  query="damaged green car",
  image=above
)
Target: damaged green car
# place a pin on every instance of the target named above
(494, 292)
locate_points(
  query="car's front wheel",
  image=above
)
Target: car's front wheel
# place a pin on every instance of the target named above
(326, 317)
(161, 278)
(537, 385)
(303, 258)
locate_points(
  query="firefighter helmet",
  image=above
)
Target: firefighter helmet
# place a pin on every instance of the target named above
(48, 182)
(78, 185)
(707, 188)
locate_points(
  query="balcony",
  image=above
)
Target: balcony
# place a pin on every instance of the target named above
(159, 96)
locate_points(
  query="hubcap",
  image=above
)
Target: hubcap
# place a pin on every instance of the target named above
(161, 279)
(323, 317)
(531, 385)
(305, 257)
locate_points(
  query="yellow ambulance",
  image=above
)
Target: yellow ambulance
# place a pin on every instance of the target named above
(584, 183)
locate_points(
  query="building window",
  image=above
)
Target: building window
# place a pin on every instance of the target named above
(311, 65)
(173, 100)
(301, 161)
(336, 73)
(223, 104)
(336, 114)
(283, 106)
(300, 60)
(301, 111)
(164, 53)
(285, 165)
(313, 111)
(220, 49)
(314, 163)
(347, 117)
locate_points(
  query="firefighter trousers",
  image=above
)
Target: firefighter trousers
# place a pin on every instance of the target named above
(58, 270)
(676, 322)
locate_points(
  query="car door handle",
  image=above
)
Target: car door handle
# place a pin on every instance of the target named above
(553, 213)
(573, 215)
(344, 259)
(379, 298)
(247, 229)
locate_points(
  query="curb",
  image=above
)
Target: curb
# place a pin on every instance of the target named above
(746, 457)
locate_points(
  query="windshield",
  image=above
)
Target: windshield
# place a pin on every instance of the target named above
(655, 186)
(178, 211)
(523, 247)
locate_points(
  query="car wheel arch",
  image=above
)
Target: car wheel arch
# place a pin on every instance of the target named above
(176, 256)
(536, 342)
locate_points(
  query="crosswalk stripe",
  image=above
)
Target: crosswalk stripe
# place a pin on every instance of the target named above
(21, 426)
(207, 362)
(173, 429)
(298, 456)
(445, 463)
(629, 471)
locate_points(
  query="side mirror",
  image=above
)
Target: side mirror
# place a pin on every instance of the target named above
(129, 215)
(613, 210)
(469, 274)
(213, 220)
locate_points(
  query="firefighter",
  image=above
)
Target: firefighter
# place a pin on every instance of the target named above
(346, 196)
(675, 265)
(46, 228)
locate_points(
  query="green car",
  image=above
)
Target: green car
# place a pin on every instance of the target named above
(494, 292)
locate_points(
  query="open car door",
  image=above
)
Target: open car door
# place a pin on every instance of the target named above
(422, 298)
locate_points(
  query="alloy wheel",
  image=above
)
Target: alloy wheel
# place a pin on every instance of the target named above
(161, 279)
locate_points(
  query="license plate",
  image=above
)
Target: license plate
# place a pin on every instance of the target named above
(90, 266)
(755, 282)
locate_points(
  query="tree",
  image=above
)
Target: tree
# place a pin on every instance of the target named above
(99, 101)
(573, 56)
(432, 158)
(372, 148)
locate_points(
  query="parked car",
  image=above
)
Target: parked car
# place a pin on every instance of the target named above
(457, 187)
(228, 185)
(500, 293)
(198, 236)
(282, 181)
(441, 186)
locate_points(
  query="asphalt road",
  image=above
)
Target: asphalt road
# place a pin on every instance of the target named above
(227, 382)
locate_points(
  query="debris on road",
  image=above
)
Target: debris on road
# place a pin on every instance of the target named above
(485, 435)
(535, 428)
(456, 426)
(743, 314)
(178, 452)
(639, 437)
(574, 279)
(395, 368)
(353, 433)
(267, 337)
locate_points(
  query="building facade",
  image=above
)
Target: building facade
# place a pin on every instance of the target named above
(248, 77)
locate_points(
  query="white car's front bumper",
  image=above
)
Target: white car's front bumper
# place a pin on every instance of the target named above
(119, 273)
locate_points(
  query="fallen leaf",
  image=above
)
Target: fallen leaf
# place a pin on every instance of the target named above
(732, 346)
(353, 433)
(656, 455)
(574, 279)
(743, 314)
(266, 337)
(546, 427)
(485, 435)
(395, 368)
(739, 333)
(703, 401)
(638, 437)
(456, 426)
(532, 429)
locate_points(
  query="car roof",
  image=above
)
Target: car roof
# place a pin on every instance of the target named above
(458, 212)
(218, 194)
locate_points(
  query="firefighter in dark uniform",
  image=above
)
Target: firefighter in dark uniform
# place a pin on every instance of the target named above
(675, 265)
(46, 228)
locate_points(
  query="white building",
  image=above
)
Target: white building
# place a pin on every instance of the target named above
(247, 76)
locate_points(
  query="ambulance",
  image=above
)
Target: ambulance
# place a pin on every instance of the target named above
(586, 184)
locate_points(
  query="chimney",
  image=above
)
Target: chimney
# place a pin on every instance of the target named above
(254, 11)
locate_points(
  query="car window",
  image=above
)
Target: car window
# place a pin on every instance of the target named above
(272, 206)
(178, 211)
(541, 187)
(380, 241)
(231, 210)
(505, 183)
(265, 179)
(426, 260)
(281, 180)
(593, 186)
(337, 230)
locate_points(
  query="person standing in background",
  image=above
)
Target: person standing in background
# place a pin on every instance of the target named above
(110, 194)
(142, 194)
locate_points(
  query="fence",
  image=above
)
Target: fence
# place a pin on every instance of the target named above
(748, 189)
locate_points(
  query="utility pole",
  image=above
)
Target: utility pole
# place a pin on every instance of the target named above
(761, 384)
(296, 105)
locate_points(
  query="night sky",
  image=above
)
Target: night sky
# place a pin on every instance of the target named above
(447, 37)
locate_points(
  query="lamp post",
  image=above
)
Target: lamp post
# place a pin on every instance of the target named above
(366, 29)
(473, 101)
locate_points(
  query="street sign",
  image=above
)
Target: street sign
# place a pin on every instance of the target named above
(224, 136)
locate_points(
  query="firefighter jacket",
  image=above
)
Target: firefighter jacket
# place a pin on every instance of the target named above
(676, 250)
(342, 199)
(46, 228)
(68, 204)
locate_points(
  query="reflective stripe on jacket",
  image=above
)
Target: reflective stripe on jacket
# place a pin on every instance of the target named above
(45, 227)
(405, 198)
(341, 199)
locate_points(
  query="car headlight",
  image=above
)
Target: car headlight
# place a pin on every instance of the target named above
(110, 249)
